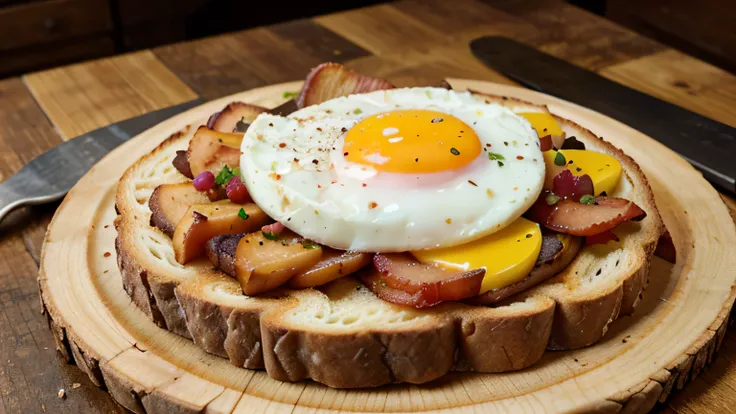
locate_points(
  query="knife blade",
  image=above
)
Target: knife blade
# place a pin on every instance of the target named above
(52, 174)
(708, 145)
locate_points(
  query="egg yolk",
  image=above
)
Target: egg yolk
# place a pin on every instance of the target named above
(412, 141)
(508, 255)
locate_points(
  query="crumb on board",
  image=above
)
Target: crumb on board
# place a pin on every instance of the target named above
(61, 394)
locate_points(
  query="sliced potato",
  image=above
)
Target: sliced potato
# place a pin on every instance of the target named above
(211, 150)
(334, 265)
(205, 221)
(169, 203)
(262, 264)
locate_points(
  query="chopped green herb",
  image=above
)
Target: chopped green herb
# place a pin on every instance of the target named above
(273, 165)
(560, 159)
(454, 151)
(429, 94)
(500, 164)
(357, 111)
(587, 199)
(309, 244)
(242, 214)
(495, 156)
(290, 94)
(270, 236)
(551, 199)
(226, 174)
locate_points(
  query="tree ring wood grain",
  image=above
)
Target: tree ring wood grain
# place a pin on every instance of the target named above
(674, 333)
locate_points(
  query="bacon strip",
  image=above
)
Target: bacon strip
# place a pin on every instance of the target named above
(332, 80)
(402, 279)
(591, 219)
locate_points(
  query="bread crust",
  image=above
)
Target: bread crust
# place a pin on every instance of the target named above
(311, 334)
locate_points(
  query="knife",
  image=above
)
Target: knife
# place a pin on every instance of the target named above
(52, 174)
(708, 145)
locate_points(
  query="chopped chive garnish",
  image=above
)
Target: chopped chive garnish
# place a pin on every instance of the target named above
(587, 199)
(493, 156)
(226, 174)
(551, 199)
(357, 111)
(270, 236)
(242, 214)
(309, 244)
(290, 94)
(560, 159)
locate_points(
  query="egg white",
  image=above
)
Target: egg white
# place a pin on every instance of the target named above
(295, 171)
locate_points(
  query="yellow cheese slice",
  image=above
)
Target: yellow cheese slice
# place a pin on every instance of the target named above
(543, 123)
(603, 169)
(508, 255)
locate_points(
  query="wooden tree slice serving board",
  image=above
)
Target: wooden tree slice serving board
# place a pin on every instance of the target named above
(675, 331)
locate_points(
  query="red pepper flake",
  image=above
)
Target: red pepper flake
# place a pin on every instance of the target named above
(488, 145)
(519, 157)
(107, 254)
(472, 183)
(372, 205)
(365, 185)
(282, 145)
(345, 154)
(319, 186)
(278, 177)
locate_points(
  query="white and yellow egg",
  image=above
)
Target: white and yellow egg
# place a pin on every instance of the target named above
(395, 170)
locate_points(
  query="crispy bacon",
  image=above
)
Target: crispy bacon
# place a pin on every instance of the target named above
(545, 143)
(332, 80)
(590, 219)
(402, 279)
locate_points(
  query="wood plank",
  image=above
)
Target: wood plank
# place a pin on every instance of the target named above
(682, 80)
(224, 65)
(31, 371)
(86, 96)
(576, 35)
(383, 29)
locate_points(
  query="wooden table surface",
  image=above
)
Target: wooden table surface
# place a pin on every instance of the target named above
(410, 42)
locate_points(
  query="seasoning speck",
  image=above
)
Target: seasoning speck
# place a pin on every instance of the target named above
(489, 192)
(372, 205)
(437, 120)
(448, 221)
(472, 183)
(282, 145)
(519, 157)
(454, 151)
(315, 162)
(107, 254)
(357, 111)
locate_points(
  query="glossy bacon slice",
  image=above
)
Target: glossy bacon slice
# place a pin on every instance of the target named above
(399, 278)
(332, 80)
(591, 219)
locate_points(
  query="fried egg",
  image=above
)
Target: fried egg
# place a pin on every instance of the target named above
(394, 170)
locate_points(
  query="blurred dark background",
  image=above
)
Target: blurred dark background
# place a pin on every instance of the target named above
(39, 34)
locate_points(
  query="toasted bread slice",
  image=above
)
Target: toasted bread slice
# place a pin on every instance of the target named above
(342, 335)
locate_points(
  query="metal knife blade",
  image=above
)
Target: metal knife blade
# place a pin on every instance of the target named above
(49, 176)
(708, 145)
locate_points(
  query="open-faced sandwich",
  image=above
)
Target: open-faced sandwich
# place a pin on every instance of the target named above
(364, 234)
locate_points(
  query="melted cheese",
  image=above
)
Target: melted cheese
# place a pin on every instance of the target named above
(507, 255)
(543, 123)
(603, 169)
